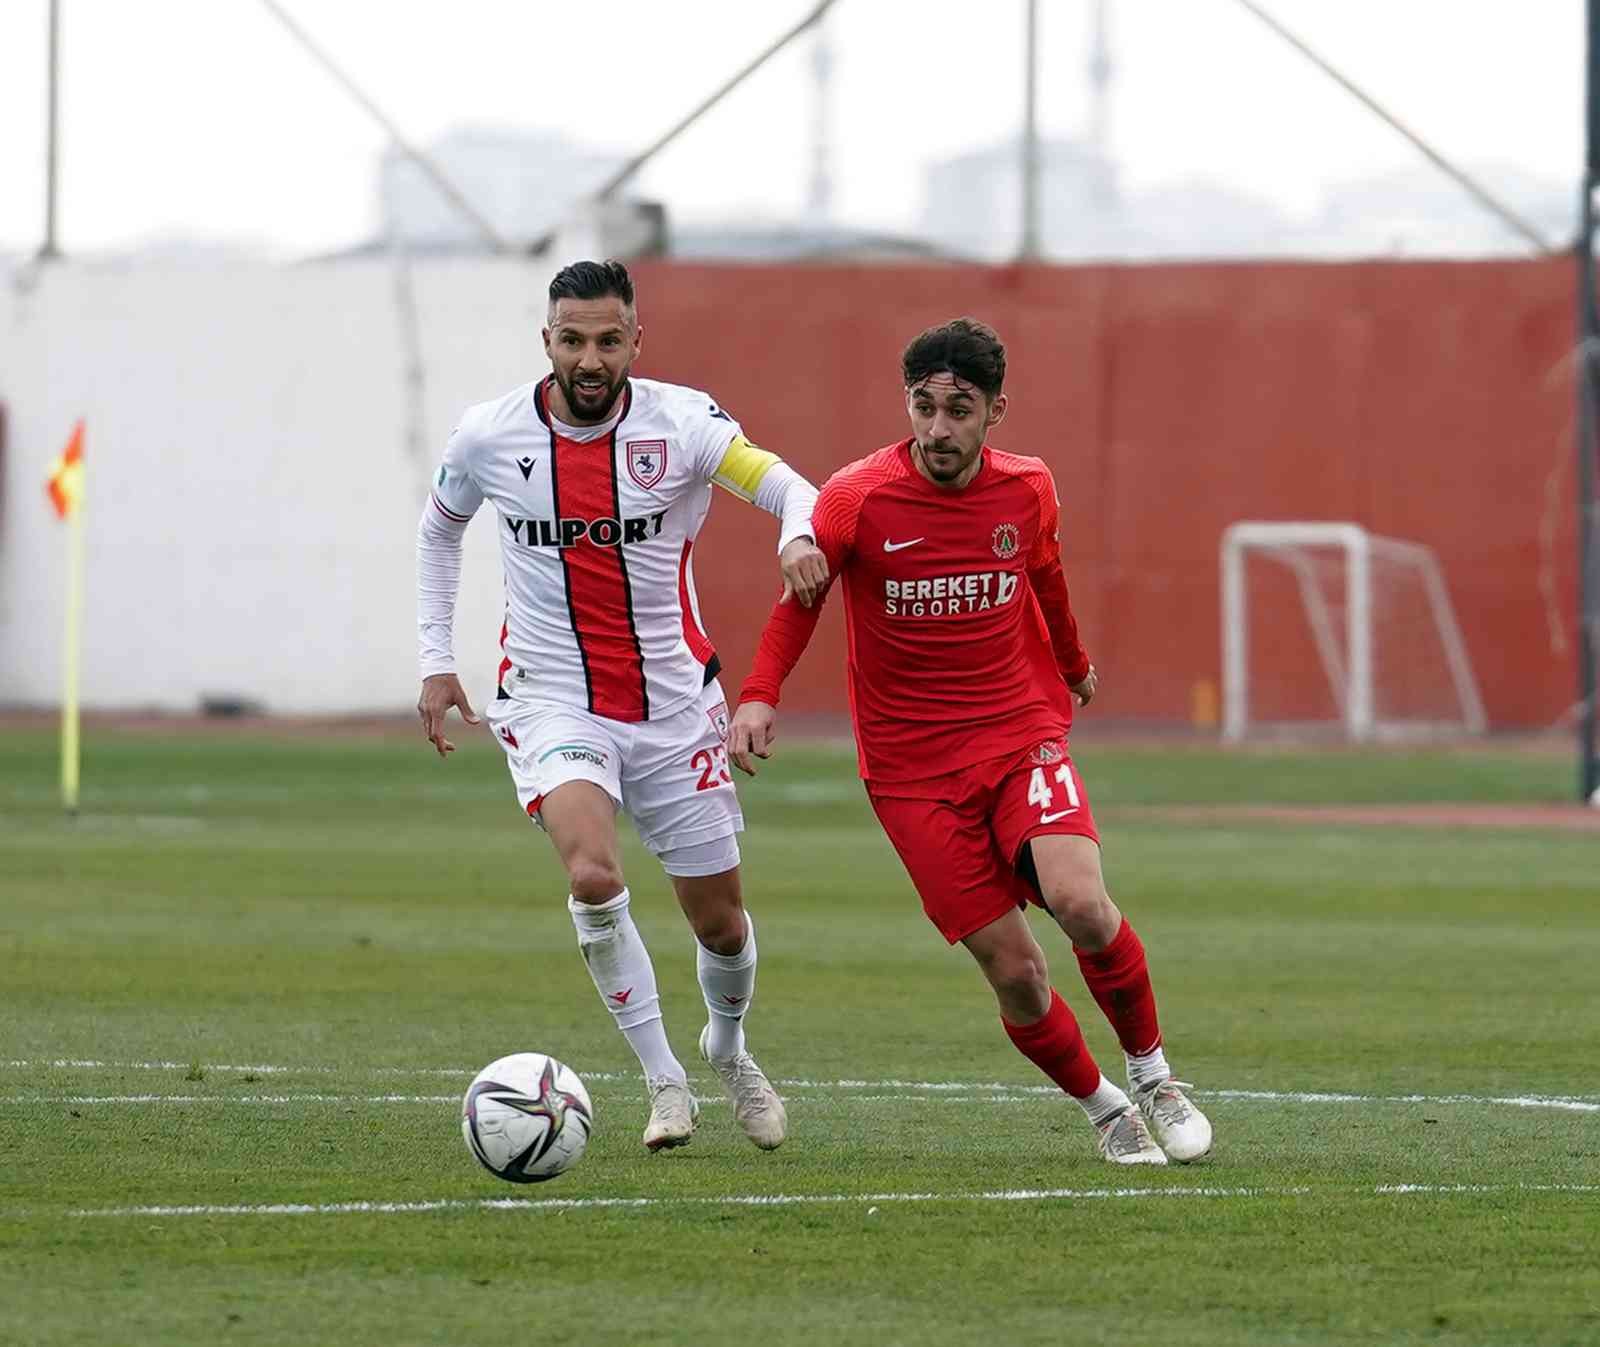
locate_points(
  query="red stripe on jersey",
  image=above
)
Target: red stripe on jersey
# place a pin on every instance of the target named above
(505, 662)
(448, 513)
(599, 596)
(698, 642)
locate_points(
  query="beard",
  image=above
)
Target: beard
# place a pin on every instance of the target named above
(950, 463)
(587, 407)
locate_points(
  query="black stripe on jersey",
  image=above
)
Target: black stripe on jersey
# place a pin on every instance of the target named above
(713, 668)
(622, 557)
(566, 573)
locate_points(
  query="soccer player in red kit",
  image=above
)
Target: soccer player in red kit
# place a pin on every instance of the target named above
(964, 661)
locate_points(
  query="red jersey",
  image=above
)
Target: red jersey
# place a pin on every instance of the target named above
(960, 634)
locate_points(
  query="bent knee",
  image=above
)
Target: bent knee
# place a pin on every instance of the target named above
(721, 930)
(1077, 900)
(595, 879)
(1017, 971)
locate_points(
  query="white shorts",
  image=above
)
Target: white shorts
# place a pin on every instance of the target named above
(670, 775)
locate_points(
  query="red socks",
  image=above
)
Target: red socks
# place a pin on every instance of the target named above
(1119, 981)
(1055, 1045)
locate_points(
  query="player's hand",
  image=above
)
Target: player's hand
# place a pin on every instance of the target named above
(754, 731)
(805, 572)
(1085, 689)
(439, 693)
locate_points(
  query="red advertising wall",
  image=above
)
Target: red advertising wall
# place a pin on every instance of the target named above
(1429, 401)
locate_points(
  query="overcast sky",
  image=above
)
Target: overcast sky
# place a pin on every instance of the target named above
(204, 118)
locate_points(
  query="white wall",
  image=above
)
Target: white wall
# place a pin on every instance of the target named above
(251, 501)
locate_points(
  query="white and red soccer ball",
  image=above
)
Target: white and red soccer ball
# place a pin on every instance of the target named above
(527, 1117)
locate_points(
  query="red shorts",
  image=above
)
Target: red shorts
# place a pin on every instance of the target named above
(960, 835)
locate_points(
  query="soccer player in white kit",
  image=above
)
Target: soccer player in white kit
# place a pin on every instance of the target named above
(607, 696)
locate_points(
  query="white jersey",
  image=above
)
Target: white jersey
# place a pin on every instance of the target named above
(597, 527)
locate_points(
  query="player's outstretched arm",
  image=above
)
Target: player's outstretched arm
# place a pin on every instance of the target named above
(783, 641)
(765, 480)
(451, 504)
(439, 693)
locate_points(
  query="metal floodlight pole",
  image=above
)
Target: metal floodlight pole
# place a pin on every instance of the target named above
(1588, 377)
(48, 248)
(617, 179)
(1481, 194)
(435, 174)
(1028, 250)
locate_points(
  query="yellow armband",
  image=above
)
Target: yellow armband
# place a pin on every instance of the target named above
(743, 467)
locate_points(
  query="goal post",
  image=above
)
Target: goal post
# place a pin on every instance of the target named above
(1336, 566)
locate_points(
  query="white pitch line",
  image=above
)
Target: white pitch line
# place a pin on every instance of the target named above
(998, 1091)
(231, 1099)
(819, 1199)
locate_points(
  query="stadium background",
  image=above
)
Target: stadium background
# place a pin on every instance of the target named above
(254, 493)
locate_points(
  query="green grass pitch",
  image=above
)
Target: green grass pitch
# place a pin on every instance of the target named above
(322, 938)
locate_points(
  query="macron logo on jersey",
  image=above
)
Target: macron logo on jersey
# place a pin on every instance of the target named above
(949, 595)
(605, 532)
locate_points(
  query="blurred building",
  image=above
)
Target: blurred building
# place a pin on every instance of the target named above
(972, 202)
(1421, 212)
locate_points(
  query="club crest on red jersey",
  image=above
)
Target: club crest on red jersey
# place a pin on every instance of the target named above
(647, 462)
(1046, 753)
(1004, 540)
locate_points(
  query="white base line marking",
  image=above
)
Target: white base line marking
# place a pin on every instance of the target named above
(946, 1096)
(817, 1199)
(999, 1091)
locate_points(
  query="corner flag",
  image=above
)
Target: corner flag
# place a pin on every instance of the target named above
(65, 489)
(65, 486)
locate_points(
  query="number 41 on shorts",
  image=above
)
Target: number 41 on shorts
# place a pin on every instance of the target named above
(1041, 793)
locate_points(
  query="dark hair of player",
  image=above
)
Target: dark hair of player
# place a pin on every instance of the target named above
(964, 347)
(592, 280)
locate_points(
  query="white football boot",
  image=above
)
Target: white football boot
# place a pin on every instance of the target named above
(1183, 1131)
(756, 1106)
(1126, 1140)
(673, 1111)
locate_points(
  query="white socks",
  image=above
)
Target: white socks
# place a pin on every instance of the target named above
(1105, 1103)
(1149, 1068)
(727, 981)
(622, 972)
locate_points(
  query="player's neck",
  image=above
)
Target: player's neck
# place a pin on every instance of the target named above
(955, 484)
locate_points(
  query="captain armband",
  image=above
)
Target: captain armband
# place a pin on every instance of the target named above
(743, 467)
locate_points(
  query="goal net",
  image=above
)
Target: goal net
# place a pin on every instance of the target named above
(1328, 627)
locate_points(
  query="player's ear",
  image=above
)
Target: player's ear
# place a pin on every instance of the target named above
(545, 333)
(638, 338)
(997, 411)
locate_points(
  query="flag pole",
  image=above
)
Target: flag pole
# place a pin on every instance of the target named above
(66, 492)
(72, 649)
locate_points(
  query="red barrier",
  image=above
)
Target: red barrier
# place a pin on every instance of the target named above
(1429, 401)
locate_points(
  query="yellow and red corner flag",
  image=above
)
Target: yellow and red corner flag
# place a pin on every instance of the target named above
(65, 489)
(66, 476)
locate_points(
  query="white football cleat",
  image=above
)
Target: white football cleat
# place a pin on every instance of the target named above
(1183, 1131)
(1126, 1140)
(756, 1106)
(673, 1111)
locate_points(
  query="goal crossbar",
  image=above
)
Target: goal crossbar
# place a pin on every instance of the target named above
(1350, 672)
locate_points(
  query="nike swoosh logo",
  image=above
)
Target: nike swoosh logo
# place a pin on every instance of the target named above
(896, 547)
(1051, 818)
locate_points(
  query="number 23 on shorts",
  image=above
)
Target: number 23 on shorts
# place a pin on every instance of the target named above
(712, 764)
(1041, 793)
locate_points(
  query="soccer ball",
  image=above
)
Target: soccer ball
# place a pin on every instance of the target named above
(527, 1117)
